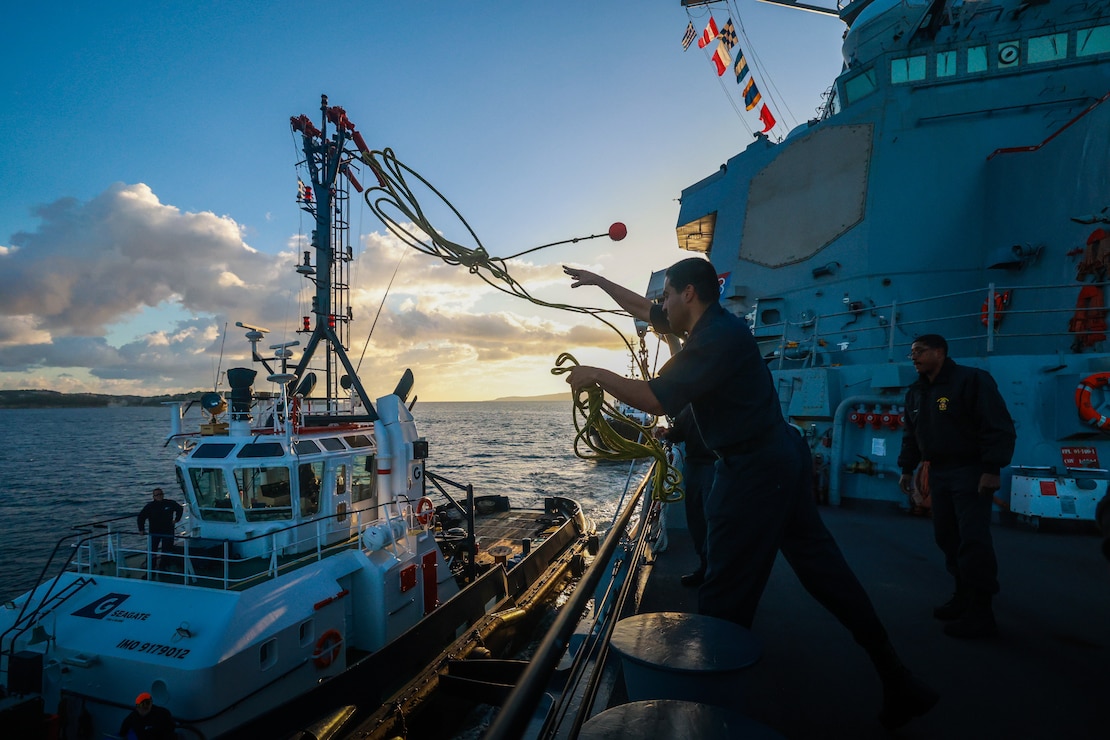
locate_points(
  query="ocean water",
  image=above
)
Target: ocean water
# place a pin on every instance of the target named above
(62, 467)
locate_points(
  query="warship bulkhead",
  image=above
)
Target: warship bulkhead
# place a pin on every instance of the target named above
(956, 183)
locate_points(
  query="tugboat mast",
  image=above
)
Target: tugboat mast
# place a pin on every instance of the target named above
(325, 158)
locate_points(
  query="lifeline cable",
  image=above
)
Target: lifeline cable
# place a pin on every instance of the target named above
(392, 195)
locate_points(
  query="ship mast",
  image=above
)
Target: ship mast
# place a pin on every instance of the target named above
(325, 159)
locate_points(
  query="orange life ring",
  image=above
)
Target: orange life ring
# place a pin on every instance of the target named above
(425, 511)
(327, 648)
(1087, 411)
(1001, 303)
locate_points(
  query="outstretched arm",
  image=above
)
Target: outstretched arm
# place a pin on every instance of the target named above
(636, 393)
(635, 304)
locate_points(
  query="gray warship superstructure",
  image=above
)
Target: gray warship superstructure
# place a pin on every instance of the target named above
(957, 182)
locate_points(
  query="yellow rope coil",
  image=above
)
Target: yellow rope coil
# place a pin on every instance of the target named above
(590, 418)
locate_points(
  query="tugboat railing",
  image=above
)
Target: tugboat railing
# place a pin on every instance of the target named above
(116, 552)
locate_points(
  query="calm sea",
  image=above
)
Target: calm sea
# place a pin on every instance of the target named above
(63, 467)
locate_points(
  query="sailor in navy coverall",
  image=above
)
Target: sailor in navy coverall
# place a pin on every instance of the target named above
(697, 478)
(957, 422)
(761, 500)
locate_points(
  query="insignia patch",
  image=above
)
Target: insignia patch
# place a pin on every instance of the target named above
(942, 403)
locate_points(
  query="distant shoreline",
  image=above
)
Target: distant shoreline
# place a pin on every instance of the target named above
(43, 399)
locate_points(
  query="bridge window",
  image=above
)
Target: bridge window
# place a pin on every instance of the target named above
(860, 86)
(908, 69)
(1092, 41)
(358, 440)
(1048, 48)
(213, 497)
(309, 476)
(264, 493)
(261, 449)
(213, 451)
(976, 59)
(946, 64)
(363, 477)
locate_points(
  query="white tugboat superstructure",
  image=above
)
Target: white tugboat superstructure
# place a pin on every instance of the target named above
(311, 552)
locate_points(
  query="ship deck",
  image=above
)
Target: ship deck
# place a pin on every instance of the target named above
(1046, 675)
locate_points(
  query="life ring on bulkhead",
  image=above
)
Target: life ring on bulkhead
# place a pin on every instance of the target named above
(1001, 303)
(1087, 411)
(425, 511)
(327, 648)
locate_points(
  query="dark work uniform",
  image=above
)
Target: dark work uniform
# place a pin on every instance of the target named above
(162, 515)
(156, 725)
(761, 500)
(960, 425)
(697, 477)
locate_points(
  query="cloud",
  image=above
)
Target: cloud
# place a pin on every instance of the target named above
(91, 265)
(92, 269)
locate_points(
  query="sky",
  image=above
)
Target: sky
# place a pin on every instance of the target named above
(148, 197)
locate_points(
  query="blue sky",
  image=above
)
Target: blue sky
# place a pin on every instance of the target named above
(148, 196)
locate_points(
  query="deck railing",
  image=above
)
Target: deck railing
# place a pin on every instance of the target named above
(617, 560)
(882, 330)
(222, 563)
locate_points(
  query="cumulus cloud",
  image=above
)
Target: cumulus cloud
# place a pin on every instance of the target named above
(92, 267)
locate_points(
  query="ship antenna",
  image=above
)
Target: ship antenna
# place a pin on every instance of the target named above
(380, 306)
(220, 363)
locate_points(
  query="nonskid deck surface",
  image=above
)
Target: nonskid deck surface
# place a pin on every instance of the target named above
(1045, 677)
(509, 528)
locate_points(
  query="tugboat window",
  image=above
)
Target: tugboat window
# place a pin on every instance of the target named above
(309, 476)
(363, 479)
(262, 449)
(332, 444)
(213, 496)
(1048, 48)
(267, 654)
(358, 440)
(264, 493)
(306, 447)
(1092, 41)
(213, 451)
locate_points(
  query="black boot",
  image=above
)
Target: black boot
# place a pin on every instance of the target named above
(977, 621)
(955, 607)
(904, 695)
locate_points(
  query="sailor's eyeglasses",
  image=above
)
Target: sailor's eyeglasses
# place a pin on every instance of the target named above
(918, 351)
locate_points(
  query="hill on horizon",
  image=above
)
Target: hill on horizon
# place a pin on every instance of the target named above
(29, 399)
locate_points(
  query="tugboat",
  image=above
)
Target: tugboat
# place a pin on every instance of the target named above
(320, 568)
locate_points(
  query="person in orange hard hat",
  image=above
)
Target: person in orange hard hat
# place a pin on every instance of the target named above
(147, 722)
